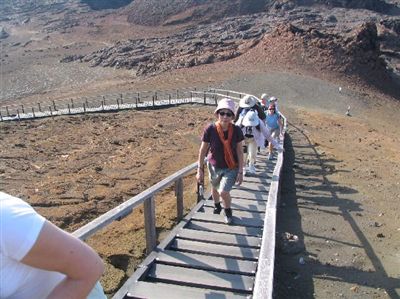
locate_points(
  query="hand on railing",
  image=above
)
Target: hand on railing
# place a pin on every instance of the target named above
(239, 177)
(200, 175)
(200, 192)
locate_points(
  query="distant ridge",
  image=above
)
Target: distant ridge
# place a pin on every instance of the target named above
(166, 12)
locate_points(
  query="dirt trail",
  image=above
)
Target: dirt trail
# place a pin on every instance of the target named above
(339, 198)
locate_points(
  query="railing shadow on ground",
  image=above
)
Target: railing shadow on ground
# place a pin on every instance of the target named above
(320, 198)
(289, 199)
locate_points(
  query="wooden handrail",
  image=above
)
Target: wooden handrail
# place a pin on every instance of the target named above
(264, 282)
(127, 207)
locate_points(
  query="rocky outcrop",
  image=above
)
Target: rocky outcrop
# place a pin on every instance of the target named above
(201, 45)
(3, 33)
(158, 12)
(163, 12)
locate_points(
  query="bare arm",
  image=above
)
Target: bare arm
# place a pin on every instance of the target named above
(56, 250)
(280, 123)
(239, 152)
(267, 134)
(200, 162)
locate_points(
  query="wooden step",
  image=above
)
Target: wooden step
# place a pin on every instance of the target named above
(237, 220)
(200, 278)
(248, 205)
(244, 253)
(224, 228)
(239, 213)
(249, 194)
(219, 238)
(157, 290)
(206, 262)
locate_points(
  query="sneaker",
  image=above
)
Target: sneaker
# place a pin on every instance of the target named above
(217, 208)
(270, 156)
(228, 216)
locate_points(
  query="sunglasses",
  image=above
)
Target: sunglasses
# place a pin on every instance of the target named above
(228, 114)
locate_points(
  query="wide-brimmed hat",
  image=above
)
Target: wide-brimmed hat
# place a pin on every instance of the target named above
(251, 119)
(226, 104)
(248, 101)
(264, 96)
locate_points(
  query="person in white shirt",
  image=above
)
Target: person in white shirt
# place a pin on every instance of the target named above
(255, 132)
(39, 260)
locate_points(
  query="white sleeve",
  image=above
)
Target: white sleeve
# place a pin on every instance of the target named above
(267, 134)
(20, 226)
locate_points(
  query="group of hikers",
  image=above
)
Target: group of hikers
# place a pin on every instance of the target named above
(40, 260)
(232, 143)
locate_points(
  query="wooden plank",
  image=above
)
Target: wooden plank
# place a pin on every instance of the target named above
(150, 224)
(157, 290)
(265, 179)
(237, 220)
(207, 262)
(219, 238)
(253, 187)
(179, 198)
(239, 213)
(215, 249)
(224, 228)
(201, 278)
(244, 194)
(244, 204)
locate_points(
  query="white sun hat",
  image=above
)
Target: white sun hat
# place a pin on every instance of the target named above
(251, 119)
(247, 101)
(226, 104)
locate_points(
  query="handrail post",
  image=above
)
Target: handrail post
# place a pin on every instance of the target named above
(179, 198)
(150, 223)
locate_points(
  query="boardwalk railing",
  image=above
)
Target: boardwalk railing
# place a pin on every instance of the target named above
(147, 198)
(109, 102)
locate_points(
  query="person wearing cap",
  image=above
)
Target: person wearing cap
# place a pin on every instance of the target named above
(275, 125)
(224, 143)
(266, 101)
(255, 133)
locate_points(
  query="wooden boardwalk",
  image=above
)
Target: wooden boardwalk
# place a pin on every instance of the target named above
(205, 258)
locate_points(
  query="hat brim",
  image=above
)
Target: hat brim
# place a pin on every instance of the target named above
(242, 103)
(248, 123)
(220, 108)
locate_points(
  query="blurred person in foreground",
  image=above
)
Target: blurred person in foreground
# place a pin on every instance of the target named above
(39, 260)
(224, 143)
